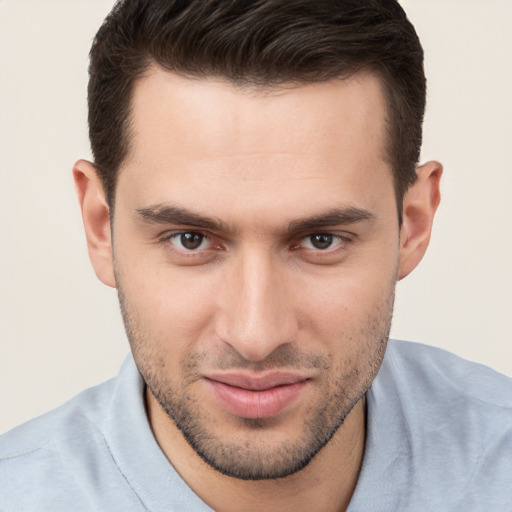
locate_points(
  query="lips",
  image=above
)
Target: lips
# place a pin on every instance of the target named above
(256, 396)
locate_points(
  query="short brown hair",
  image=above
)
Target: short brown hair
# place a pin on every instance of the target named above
(260, 43)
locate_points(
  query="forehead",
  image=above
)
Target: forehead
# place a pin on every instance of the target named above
(197, 136)
(210, 108)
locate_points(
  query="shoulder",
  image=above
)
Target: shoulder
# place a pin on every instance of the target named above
(38, 460)
(431, 370)
(66, 459)
(440, 429)
(82, 413)
(442, 397)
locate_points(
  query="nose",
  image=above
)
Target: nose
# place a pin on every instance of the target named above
(255, 309)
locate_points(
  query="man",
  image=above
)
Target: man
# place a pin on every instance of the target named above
(254, 198)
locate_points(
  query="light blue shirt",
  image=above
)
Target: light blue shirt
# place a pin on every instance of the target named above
(439, 438)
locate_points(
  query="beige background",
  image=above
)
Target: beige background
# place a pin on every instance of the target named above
(60, 329)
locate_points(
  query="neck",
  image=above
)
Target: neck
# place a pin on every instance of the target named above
(326, 484)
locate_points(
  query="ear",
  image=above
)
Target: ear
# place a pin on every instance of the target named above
(419, 206)
(96, 219)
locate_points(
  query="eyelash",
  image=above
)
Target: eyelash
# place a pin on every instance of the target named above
(340, 241)
(168, 238)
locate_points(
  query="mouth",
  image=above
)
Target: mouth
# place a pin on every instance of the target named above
(254, 397)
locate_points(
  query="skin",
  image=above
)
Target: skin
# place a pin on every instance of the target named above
(254, 175)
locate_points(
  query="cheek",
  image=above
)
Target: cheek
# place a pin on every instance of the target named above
(344, 306)
(173, 307)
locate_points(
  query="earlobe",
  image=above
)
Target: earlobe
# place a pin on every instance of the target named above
(96, 220)
(419, 207)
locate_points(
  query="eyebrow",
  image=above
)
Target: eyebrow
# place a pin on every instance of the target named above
(168, 214)
(335, 217)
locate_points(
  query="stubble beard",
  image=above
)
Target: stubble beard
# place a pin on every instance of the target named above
(243, 459)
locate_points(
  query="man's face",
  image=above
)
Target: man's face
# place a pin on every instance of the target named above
(256, 246)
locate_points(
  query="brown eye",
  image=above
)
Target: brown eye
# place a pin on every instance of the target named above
(189, 241)
(321, 240)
